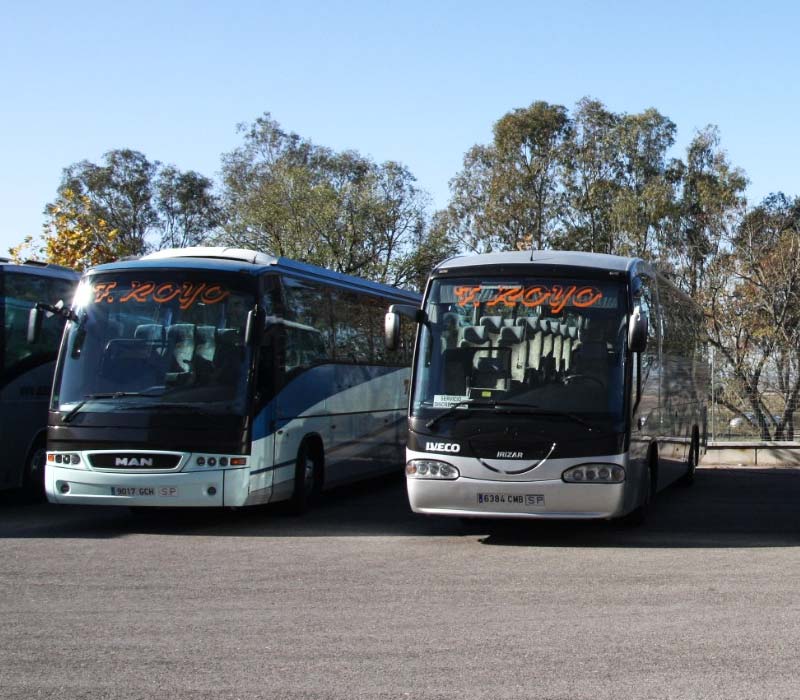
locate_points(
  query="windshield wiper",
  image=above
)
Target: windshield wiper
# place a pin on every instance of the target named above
(508, 407)
(184, 407)
(106, 395)
(455, 410)
(513, 407)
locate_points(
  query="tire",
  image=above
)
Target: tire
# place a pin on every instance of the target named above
(307, 479)
(33, 479)
(691, 463)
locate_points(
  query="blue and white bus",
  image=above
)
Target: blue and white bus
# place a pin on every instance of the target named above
(27, 367)
(224, 377)
(552, 385)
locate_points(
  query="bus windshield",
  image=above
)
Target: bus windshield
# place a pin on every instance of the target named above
(154, 339)
(527, 345)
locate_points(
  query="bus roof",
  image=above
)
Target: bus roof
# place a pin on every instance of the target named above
(252, 263)
(34, 267)
(553, 258)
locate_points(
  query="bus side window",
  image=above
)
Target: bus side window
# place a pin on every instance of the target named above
(309, 305)
(305, 348)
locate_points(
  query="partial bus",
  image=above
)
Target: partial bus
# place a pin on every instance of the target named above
(27, 367)
(224, 377)
(552, 385)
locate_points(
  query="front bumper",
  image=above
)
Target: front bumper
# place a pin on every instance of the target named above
(547, 499)
(227, 487)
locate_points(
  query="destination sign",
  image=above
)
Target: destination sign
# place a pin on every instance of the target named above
(185, 293)
(556, 296)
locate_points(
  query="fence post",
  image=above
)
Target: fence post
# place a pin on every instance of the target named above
(713, 398)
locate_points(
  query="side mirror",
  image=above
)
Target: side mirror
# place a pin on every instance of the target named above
(391, 330)
(391, 326)
(637, 330)
(34, 324)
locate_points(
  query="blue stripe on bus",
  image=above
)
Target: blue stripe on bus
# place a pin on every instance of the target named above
(313, 387)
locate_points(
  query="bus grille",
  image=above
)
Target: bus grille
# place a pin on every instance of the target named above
(134, 460)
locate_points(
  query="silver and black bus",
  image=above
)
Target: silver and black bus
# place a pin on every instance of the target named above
(552, 385)
(27, 367)
(224, 377)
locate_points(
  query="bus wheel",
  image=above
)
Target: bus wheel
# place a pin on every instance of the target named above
(33, 481)
(691, 463)
(307, 476)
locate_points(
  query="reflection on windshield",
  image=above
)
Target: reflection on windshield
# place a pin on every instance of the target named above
(158, 337)
(557, 345)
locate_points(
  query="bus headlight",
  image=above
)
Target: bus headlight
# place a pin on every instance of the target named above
(594, 474)
(64, 458)
(431, 469)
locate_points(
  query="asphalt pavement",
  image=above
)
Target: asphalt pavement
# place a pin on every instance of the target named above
(361, 598)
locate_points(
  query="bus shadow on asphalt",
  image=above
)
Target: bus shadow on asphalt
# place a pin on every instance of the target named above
(725, 508)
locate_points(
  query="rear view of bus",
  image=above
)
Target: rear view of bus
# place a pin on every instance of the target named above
(528, 398)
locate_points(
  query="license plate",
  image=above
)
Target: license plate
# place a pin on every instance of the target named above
(526, 499)
(145, 491)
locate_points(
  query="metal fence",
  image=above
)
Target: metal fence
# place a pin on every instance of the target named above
(738, 412)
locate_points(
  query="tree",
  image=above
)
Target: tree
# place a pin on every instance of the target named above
(590, 178)
(75, 237)
(753, 296)
(644, 208)
(596, 181)
(711, 206)
(119, 192)
(186, 206)
(145, 205)
(508, 193)
(289, 197)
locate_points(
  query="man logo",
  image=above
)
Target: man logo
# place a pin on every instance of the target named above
(133, 462)
(451, 447)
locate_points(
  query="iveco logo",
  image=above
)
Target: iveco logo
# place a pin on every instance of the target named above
(133, 462)
(442, 447)
(509, 455)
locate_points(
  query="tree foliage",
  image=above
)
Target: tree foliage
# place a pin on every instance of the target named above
(711, 206)
(287, 196)
(752, 292)
(77, 237)
(186, 206)
(126, 206)
(507, 196)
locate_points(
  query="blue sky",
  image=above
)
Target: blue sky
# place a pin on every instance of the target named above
(416, 82)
